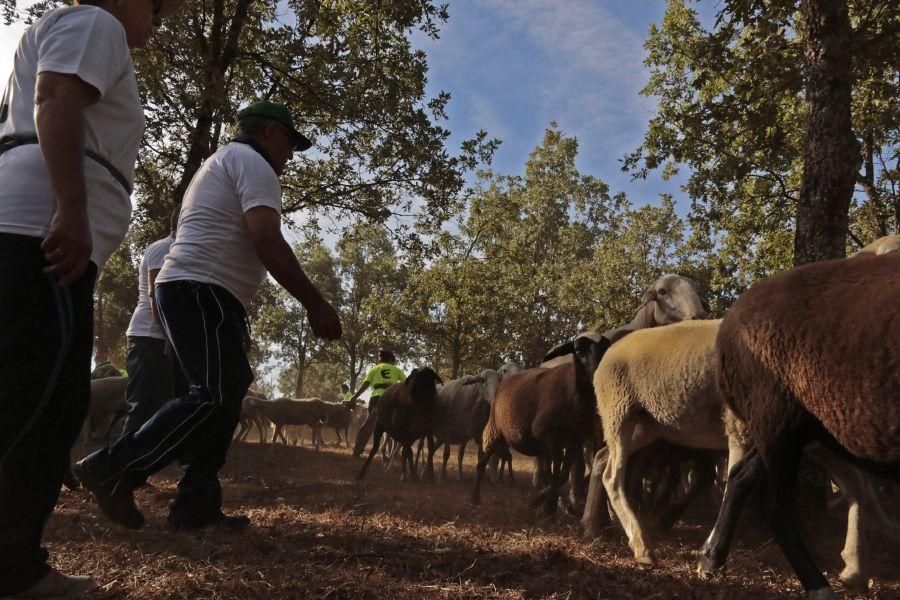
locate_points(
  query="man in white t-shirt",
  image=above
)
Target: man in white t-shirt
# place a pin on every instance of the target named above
(71, 122)
(229, 235)
(149, 360)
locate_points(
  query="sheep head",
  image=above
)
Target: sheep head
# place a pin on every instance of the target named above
(422, 384)
(489, 380)
(669, 299)
(508, 369)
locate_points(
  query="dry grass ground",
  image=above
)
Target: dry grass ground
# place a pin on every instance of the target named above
(318, 533)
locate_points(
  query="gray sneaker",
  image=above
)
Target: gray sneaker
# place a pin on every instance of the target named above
(57, 585)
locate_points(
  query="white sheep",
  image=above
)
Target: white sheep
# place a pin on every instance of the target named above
(661, 384)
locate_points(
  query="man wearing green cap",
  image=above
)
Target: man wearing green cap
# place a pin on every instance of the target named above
(229, 235)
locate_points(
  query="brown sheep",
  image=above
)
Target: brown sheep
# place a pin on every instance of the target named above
(811, 354)
(546, 413)
(406, 413)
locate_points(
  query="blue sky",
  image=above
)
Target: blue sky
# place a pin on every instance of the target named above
(513, 66)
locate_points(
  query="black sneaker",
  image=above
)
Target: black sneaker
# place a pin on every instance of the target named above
(229, 522)
(119, 507)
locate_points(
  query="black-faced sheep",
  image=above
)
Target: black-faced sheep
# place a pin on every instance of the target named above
(546, 413)
(811, 354)
(406, 413)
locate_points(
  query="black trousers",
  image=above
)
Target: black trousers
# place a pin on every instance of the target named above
(149, 380)
(45, 367)
(206, 325)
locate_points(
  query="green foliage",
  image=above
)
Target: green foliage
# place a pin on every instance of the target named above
(731, 111)
(115, 295)
(537, 259)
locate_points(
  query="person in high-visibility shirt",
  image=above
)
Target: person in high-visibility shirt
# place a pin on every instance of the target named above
(380, 377)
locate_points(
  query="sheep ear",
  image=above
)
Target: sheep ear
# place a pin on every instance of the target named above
(614, 335)
(559, 350)
(648, 297)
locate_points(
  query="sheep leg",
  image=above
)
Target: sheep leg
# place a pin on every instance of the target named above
(483, 458)
(743, 478)
(316, 437)
(429, 463)
(506, 456)
(705, 472)
(120, 414)
(595, 513)
(614, 482)
(578, 487)
(259, 426)
(855, 487)
(778, 504)
(276, 433)
(406, 459)
(444, 462)
(243, 427)
(375, 444)
(459, 460)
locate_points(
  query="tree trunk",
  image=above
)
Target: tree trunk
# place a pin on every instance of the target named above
(831, 152)
(222, 50)
(301, 370)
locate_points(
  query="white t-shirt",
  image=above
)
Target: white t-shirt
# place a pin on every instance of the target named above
(88, 42)
(213, 243)
(142, 321)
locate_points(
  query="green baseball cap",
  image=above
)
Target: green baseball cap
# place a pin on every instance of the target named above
(274, 111)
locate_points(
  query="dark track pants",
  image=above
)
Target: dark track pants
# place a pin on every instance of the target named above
(45, 367)
(206, 325)
(149, 380)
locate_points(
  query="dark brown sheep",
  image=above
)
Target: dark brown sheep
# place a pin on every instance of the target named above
(811, 354)
(406, 413)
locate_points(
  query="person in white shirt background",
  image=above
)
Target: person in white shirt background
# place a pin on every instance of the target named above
(71, 122)
(149, 361)
(229, 235)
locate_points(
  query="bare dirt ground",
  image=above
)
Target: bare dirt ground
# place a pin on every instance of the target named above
(318, 533)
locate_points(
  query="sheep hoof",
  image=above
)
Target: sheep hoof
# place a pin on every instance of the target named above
(825, 593)
(855, 581)
(644, 561)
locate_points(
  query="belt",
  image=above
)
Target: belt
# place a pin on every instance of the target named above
(9, 142)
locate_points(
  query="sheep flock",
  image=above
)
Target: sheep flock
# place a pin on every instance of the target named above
(628, 426)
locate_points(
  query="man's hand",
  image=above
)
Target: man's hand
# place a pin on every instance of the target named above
(324, 321)
(68, 245)
(264, 226)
